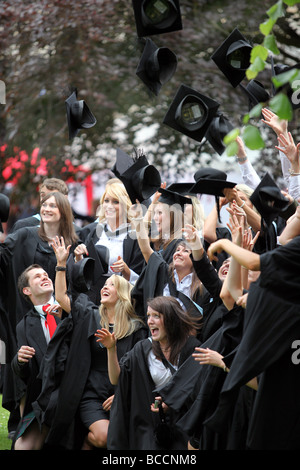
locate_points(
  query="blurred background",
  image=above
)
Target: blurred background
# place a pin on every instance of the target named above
(48, 49)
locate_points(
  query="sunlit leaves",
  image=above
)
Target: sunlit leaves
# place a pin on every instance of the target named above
(281, 105)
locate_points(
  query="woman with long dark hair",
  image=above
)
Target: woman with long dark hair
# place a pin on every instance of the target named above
(137, 414)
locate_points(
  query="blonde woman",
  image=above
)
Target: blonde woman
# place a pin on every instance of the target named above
(113, 233)
(116, 314)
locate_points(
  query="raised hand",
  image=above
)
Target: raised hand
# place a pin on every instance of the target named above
(60, 250)
(290, 149)
(279, 126)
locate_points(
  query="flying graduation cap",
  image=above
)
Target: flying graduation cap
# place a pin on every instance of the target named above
(211, 181)
(191, 113)
(157, 66)
(268, 199)
(79, 115)
(173, 197)
(140, 179)
(219, 127)
(233, 57)
(279, 69)
(156, 16)
(256, 92)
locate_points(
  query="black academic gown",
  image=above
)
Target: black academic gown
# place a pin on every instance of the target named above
(29, 333)
(20, 249)
(194, 390)
(132, 256)
(67, 384)
(151, 283)
(272, 324)
(132, 422)
(213, 307)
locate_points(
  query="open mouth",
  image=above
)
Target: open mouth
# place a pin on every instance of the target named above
(46, 284)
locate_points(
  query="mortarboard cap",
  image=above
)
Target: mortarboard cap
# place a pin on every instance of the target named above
(82, 274)
(256, 92)
(277, 70)
(156, 16)
(191, 112)
(79, 115)
(140, 179)
(268, 199)
(181, 188)
(211, 181)
(219, 127)
(172, 197)
(157, 66)
(233, 57)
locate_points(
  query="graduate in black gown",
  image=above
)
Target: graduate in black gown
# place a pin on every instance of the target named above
(165, 215)
(135, 420)
(178, 278)
(272, 325)
(86, 371)
(34, 332)
(112, 237)
(26, 246)
(194, 390)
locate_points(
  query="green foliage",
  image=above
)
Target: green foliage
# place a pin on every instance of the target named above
(280, 104)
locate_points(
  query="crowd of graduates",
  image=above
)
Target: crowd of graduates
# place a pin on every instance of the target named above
(157, 327)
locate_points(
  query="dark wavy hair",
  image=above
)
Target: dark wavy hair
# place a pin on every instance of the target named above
(178, 325)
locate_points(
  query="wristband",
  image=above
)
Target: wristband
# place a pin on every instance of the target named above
(60, 268)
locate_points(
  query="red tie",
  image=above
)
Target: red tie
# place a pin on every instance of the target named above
(49, 320)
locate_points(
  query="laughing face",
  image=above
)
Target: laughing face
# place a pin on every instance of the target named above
(223, 270)
(109, 295)
(39, 284)
(181, 258)
(156, 325)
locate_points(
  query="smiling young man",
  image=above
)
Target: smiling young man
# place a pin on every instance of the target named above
(34, 332)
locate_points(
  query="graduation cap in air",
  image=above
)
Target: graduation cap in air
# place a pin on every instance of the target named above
(157, 66)
(172, 197)
(140, 179)
(82, 274)
(156, 16)
(233, 57)
(191, 113)
(219, 127)
(79, 115)
(4, 209)
(256, 92)
(182, 188)
(268, 199)
(287, 89)
(211, 181)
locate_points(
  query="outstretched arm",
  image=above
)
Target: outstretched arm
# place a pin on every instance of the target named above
(245, 258)
(213, 358)
(141, 230)
(62, 254)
